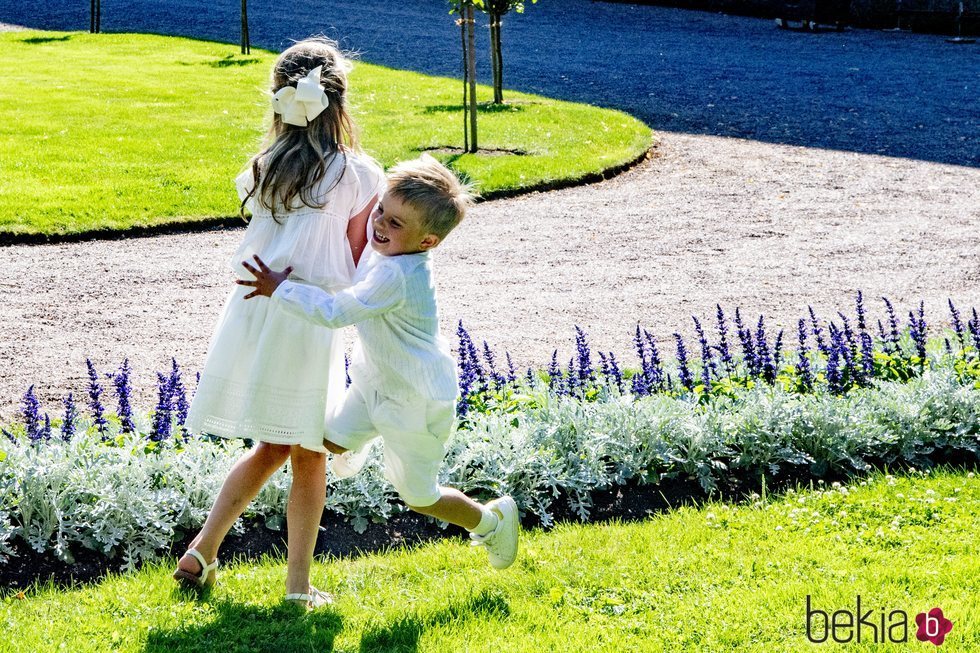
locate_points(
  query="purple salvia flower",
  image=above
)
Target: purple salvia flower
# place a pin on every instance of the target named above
(554, 373)
(949, 347)
(706, 359)
(584, 354)
(10, 436)
(975, 330)
(162, 421)
(862, 324)
(197, 378)
(834, 377)
(603, 364)
(640, 349)
(882, 336)
(68, 423)
(849, 334)
(682, 370)
(723, 350)
(573, 379)
(95, 400)
(491, 360)
(617, 374)
(511, 373)
(655, 374)
(765, 363)
(867, 358)
(777, 351)
(45, 433)
(844, 350)
(818, 333)
(347, 367)
(957, 323)
(125, 411)
(31, 415)
(745, 338)
(803, 363)
(178, 394)
(919, 334)
(530, 376)
(892, 322)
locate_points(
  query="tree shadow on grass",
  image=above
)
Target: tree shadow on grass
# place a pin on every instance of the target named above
(231, 60)
(482, 107)
(403, 634)
(45, 39)
(238, 627)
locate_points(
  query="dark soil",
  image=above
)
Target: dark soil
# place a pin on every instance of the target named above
(627, 503)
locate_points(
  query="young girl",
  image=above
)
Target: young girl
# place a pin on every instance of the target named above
(268, 376)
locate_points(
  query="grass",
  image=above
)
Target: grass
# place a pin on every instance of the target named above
(112, 131)
(714, 578)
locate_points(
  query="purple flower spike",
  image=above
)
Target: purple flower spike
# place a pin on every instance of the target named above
(867, 358)
(766, 366)
(818, 333)
(162, 420)
(803, 363)
(31, 415)
(46, 429)
(957, 324)
(121, 382)
(68, 423)
(511, 373)
(708, 365)
(748, 350)
(584, 354)
(862, 324)
(892, 323)
(617, 374)
(683, 372)
(178, 394)
(95, 401)
(723, 350)
(834, 376)
(975, 330)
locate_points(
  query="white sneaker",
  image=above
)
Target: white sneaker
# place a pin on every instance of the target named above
(501, 543)
(349, 463)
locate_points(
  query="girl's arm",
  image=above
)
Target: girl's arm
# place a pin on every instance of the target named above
(357, 230)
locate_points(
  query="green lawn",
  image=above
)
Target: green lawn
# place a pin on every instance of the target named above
(110, 131)
(717, 578)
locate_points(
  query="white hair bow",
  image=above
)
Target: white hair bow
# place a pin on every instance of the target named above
(300, 104)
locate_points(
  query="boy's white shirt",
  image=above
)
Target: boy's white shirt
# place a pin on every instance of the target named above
(392, 304)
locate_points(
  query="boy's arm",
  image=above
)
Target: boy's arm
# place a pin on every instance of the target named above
(382, 290)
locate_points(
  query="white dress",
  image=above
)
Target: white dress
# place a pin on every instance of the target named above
(269, 376)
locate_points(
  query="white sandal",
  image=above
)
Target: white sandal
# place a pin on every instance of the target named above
(207, 577)
(315, 599)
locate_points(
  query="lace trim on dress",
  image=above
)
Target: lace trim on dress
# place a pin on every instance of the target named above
(230, 409)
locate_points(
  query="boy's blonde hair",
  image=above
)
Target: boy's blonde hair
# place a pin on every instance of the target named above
(434, 191)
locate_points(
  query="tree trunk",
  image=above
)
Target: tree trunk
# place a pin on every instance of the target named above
(246, 45)
(466, 80)
(471, 66)
(91, 26)
(98, 16)
(497, 58)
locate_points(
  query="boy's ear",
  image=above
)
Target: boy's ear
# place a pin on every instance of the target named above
(430, 241)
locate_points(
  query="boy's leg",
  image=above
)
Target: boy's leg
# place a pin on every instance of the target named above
(307, 496)
(454, 507)
(246, 478)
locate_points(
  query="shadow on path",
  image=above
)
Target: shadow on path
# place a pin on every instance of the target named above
(895, 94)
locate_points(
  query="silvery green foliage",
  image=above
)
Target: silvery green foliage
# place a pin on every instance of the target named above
(130, 498)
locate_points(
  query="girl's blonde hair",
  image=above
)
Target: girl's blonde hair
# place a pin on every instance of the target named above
(293, 160)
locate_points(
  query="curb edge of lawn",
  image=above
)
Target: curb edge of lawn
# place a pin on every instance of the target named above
(199, 225)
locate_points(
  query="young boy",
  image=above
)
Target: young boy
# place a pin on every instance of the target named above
(403, 377)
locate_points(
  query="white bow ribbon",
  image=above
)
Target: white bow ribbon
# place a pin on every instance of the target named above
(300, 104)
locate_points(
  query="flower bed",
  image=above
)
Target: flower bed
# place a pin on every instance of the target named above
(127, 487)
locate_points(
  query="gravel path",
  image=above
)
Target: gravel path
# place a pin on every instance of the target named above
(770, 228)
(806, 211)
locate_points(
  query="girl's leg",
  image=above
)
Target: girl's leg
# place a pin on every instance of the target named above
(306, 499)
(244, 481)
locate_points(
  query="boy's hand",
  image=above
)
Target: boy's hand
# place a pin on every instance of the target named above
(266, 281)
